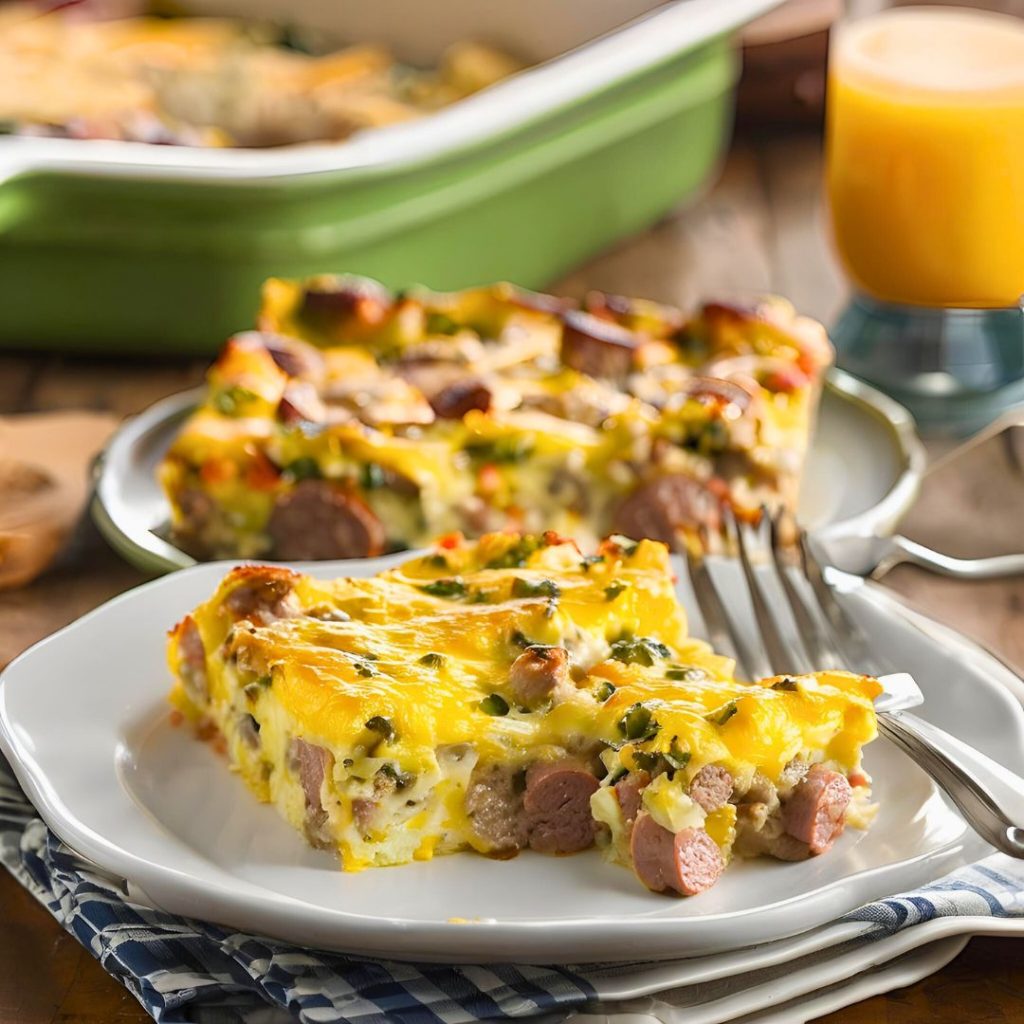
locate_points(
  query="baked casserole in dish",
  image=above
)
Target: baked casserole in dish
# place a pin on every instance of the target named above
(358, 421)
(515, 693)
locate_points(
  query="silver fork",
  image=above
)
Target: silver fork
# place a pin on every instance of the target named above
(989, 796)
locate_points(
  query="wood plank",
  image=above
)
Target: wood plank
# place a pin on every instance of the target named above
(124, 388)
(804, 266)
(715, 248)
(17, 380)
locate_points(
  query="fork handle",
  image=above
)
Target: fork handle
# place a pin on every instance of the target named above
(905, 550)
(989, 796)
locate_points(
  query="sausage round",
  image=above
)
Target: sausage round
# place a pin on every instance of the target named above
(557, 806)
(312, 763)
(629, 792)
(538, 674)
(494, 805)
(297, 358)
(815, 812)
(453, 401)
(193, 661)
(318, 520)
(711, 787)
(597, 347)
(686, 862)
(662, 507)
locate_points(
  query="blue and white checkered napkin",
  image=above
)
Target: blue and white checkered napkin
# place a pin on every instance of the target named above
(186, 970)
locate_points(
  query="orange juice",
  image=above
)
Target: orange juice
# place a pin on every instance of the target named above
(925, 154)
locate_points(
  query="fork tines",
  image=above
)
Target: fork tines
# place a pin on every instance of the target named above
(824, 637)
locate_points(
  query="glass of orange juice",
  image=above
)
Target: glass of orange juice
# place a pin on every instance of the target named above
(925, 178)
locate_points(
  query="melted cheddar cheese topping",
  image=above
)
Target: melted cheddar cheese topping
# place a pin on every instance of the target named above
(394, 673)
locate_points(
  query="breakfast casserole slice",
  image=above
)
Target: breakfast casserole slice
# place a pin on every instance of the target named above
(510, 694)
(358, 421)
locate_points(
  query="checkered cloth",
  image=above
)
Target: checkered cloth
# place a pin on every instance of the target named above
(186, 970)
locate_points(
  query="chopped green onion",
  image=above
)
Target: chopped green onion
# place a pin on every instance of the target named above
(640, 650)
(613, 590)
(787, 684)
(371, 476)
(383, 727)
(432, 660)
(495, 705)
(402, 779)
(604, 691)
(626, 545)
(691, 674)
(230, 399)
(535, 588)
(589, 560)
(501, 449)
(452, 587)
(305, 468)
(637, 723)
(723, 715)
(676, 757)
(517, 555)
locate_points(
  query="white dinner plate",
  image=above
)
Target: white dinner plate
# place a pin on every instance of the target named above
(84, 723)
(862, 474)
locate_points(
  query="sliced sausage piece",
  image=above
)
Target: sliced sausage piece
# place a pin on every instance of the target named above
(661, 508)
(319, 519)
(361, 300)
(597, 347)
(297, 358)
(539, 674)
(494, 804)
(719, 390)
(629, 792)
(192, 667)
(815, 812)
(711, 787)
(249, 731)
(557, 806)
(300, 403)
(454, 400)
(686, 862)
(312, 763)
(263, 594)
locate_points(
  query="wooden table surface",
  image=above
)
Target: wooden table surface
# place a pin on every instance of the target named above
(759, 229)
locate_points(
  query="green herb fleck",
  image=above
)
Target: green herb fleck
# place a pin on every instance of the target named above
(688, 674)
(391, 771)
(452, 587)
(437, 561)
(640, 650)
(517, 555)
(723, 715)
(509, 449)
(645, 761)
(230, 399)
(383, 727)
(535, 588)
(787, 684)
(371, 476)
(613, 590)
(589, 560)
(676, 757)
(432, 660)
(495, 705)
(638, 723)
(439, 323)
(305, 468)
(604, 691)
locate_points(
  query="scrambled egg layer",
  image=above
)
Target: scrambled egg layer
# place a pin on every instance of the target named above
(406, 674)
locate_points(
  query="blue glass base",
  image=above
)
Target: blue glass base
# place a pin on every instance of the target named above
(955, 369)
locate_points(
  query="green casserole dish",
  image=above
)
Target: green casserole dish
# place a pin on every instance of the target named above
(127, 248)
